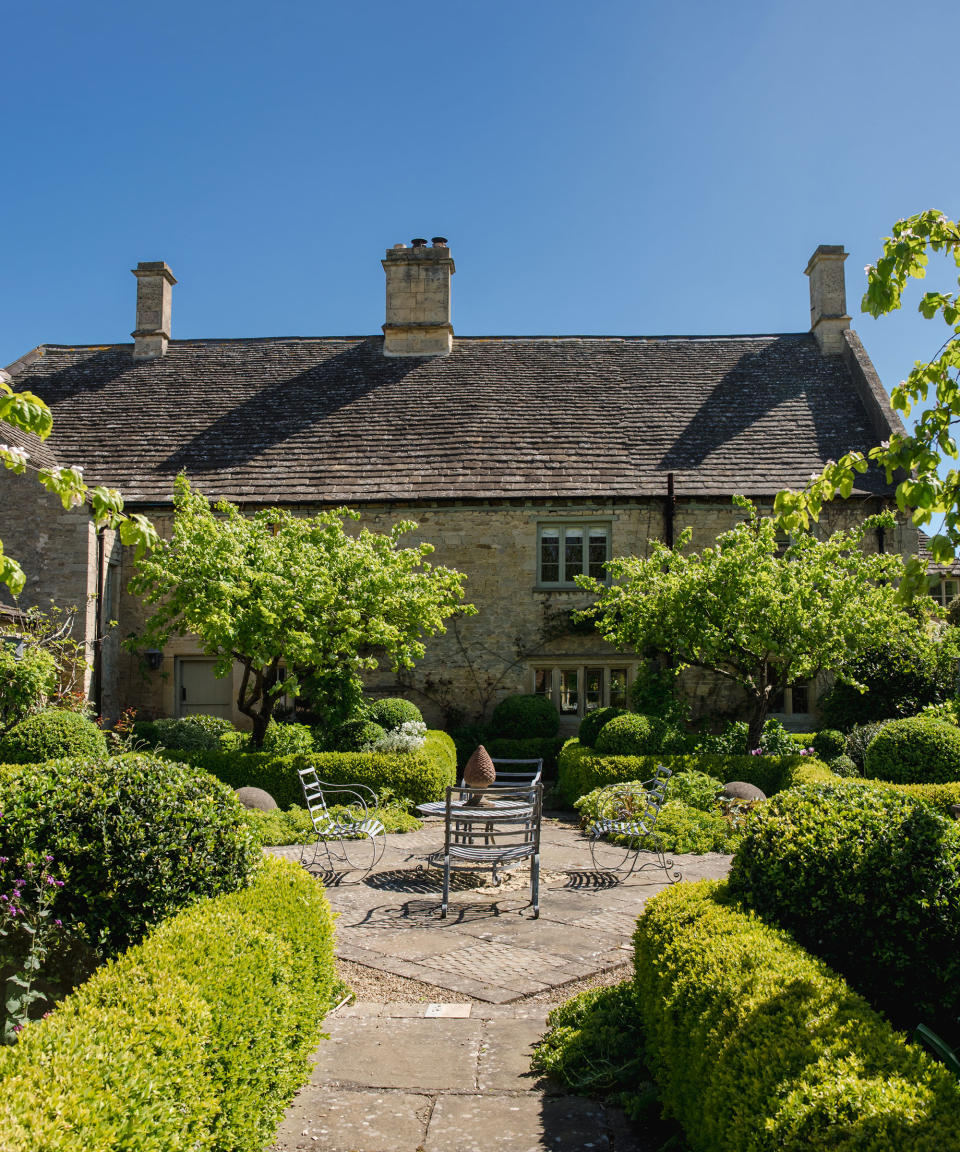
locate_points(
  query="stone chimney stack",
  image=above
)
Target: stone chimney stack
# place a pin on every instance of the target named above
(418, 299)
(828, 298)
(154, 290)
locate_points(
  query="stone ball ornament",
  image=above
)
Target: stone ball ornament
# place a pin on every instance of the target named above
(478, 774)
(739, 790)
(256, 798)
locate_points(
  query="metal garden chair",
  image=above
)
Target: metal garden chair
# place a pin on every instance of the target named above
(352, 837)
(501, 834)
(632, 818)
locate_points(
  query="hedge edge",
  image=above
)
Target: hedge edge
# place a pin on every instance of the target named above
(757, 1045)
(193, 1040)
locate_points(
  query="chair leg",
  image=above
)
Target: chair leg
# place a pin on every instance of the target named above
(535, 885)
(446, 887)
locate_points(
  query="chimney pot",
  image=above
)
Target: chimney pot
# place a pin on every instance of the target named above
(419, 242)
(828, 298)
(154, 297)
(439, 241)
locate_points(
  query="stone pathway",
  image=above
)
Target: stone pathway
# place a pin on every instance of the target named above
(454, 1077)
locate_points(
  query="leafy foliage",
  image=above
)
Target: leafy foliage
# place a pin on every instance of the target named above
(140, 838)
(192, 1042)
(417, 776)
(758, 1045)
(842, 765)
(750, 612)
(681, 828)
(858, 741)
(912, 458)
(190, 733)
(869, 879)
(392, 711)
(915, 751)
(26, 684)
(274, 593)
(50, 735)
(592, 723)
(294, 826)
(634, 735)
(357, 735)
(900, 677)
(828, 743)
(524, 717)
(28, 412)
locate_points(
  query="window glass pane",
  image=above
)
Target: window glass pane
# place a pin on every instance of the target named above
(542, 681)
(597, 552)
(801, 698)
(573, 554)
(569, 691)
(593, 689)
(949, 590)
(618, 687)
(550, 556)
(777, 703)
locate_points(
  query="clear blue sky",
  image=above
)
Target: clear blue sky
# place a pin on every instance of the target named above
(614, 167)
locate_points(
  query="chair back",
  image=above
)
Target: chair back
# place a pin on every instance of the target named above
(313, 795)
(505, 827)
(514, 773)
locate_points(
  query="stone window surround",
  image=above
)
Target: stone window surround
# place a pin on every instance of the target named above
(562, 523)
(581, 664)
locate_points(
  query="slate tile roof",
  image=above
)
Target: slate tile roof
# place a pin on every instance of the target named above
(38, 451)
(332, 419)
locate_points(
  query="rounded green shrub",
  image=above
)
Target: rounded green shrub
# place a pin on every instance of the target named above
(859, 739)
(695, 789)
(523, 717)
(392, 711)
(868, 878)
(634, 735)
(50, 735)
(842, 765)
(191, 733)
(355, 735)
(138, 837)
(287, 739)
(591, 724)
(828, 743)
(915, 751)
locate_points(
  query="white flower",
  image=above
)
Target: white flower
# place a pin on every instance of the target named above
(868, 268)
(18, 455)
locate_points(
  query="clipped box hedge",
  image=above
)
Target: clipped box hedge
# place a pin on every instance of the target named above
(581, 769)
(419, 776)
(758, 1046)
(194, 1040)
(940, 797)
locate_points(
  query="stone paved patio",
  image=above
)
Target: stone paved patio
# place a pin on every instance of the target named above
(454, 1077)
(490, 948)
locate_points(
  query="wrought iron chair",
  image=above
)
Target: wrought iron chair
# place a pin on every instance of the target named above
(514, 774)
(352, 839)
(632, 818)
(500, 834)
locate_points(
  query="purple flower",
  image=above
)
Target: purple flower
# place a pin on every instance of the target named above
(59, 883)
(29, 864)
(49, 859)
(4, 859)
(50, 880)
(59, 923)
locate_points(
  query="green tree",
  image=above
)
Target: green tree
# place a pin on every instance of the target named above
(285, 596)
(914, 458)
(751, 612)
(28, 413)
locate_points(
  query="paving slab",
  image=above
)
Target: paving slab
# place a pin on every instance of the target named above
(516, 1124)
(326, 1119)
(505, 1054)
(397, 1052)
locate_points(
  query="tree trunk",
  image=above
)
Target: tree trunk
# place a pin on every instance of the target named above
(758, 718)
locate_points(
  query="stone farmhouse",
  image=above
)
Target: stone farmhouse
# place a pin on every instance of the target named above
(525, 460)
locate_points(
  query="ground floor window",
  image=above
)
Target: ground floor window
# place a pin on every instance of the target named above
(792, 701)
(577, 689)
(943, 589)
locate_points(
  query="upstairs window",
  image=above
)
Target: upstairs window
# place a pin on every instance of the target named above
(565, 551)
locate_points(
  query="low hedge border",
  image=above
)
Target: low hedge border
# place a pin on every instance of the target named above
(940, 797)
(194, 1040)
(581, 769)
(418, 776)
(757, 1045)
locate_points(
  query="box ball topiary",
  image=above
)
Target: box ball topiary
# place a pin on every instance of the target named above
(630, 735)
(915, 751)
(828, 743)
(197, 733)
(50, 735)
(591, 724)
(355, 735)
(843, 765)
(392, 711)
(523, 717)
(138, 837)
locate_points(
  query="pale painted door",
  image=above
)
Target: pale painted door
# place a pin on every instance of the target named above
(198, 690)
